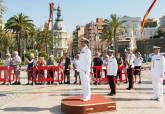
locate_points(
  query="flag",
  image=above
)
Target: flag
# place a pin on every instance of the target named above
(146, 15)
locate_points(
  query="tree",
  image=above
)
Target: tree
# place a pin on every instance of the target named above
(7, 42)
(107, 32)
(20, 24)
(40, 39)
(116, 25)
(112, 28)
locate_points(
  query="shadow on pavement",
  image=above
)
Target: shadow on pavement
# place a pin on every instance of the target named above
(65, 95)
(53, 110)
(1, 95)
(130, 99)
(141, 108)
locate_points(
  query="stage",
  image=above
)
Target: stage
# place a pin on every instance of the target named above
(98, 103)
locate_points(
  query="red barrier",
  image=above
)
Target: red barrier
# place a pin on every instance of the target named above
(95, 70)
(47, 74)
(6, 74)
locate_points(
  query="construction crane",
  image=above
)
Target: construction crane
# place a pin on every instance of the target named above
(48, 24)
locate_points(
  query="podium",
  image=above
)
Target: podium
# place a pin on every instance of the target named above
(98, 103)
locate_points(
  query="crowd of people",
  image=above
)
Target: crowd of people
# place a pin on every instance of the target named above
(112, 65)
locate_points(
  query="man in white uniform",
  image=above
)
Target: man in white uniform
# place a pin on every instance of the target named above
(157, 72)
(130, 65)
(137, 65)
(84, 68)
(112, 67)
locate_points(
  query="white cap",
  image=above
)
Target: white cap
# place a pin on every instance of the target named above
(156, 47)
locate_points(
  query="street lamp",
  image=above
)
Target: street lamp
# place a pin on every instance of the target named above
(35, 48)
(24, 52)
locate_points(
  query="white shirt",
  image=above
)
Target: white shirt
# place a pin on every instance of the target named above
(112, 66)
(16, 60)
(130, 60)
(158, 65)
(85, 60)
(76, 62)
(7, 62)
(138, 61)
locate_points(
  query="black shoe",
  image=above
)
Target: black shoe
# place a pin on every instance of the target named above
(95, 83)
(75, 82)
(3, 83)
(139, 82)
(19, 83)
(15, 83)
(128, 88)
(111, 94)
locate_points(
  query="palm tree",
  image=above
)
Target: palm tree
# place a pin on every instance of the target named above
(6, 41)
(116, 26)
(20, 24)
(107, 32)
(40, 39)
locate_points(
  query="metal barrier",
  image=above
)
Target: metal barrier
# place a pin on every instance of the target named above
(6, 74)
(95, 70)
(46, 74)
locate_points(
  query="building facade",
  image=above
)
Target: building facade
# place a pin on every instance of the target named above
(131, 23)
(2, 24)
(150, 28)
(77, 35)
(93, 31)
(162, 22)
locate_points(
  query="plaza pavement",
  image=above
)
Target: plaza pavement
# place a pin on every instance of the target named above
(46, 99)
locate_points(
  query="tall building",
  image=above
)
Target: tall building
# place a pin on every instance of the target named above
(131, 23)
(99, 25)
(93, 31)
(150, 28)
(77, 35)
(2, 24)
(60, 35)
(162, 22)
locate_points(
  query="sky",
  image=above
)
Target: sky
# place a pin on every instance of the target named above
(80, 12)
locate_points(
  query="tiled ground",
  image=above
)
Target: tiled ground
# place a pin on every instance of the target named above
(46, 99)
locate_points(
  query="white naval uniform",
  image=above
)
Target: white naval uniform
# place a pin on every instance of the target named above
(157, 72)
(84, 68)
(112, 66)
(130, 60)
(138, 61)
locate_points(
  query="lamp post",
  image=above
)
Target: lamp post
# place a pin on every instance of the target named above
(35, 48)
(24, 52)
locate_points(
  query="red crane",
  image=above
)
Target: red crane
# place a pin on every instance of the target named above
(50, 21)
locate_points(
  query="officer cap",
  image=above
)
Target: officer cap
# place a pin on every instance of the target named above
(156, 47)
(110, 50)
(84, 40)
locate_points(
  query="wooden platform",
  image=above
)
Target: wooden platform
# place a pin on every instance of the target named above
(98, 103)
